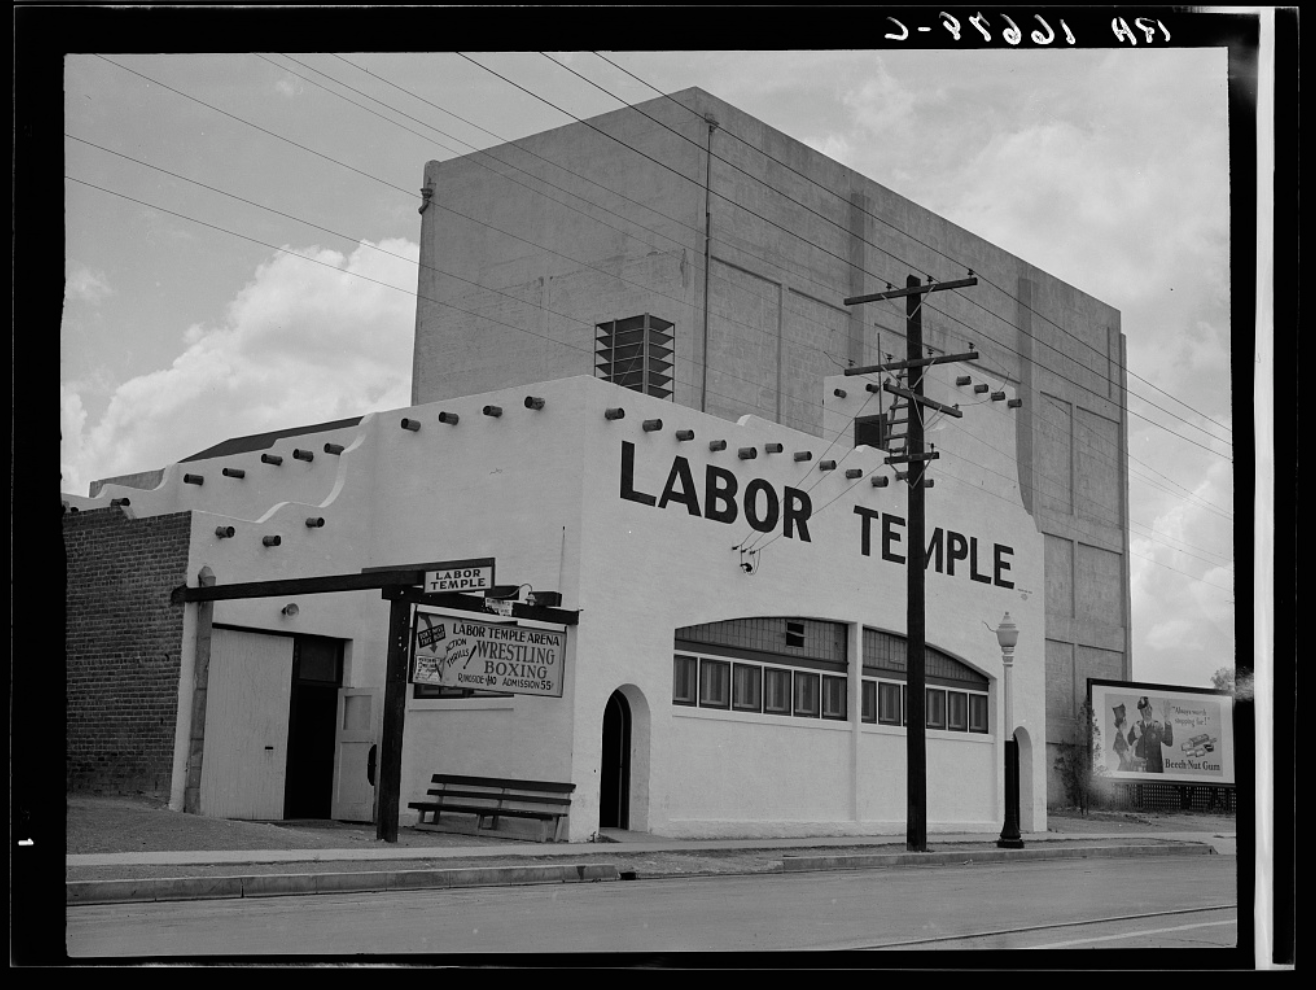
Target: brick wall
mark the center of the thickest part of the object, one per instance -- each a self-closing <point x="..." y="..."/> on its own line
<point x="122" y="646"/>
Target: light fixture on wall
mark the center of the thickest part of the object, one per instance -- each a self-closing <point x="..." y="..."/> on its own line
<point x="290" y="610"/>
<point x="749" y="561"/>
<point x="506" y="592"/>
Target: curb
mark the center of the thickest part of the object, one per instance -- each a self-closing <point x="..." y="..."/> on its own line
<point x="870" y="861"/>
<point x="86" y="892"/>
<point x="274" y="885"/>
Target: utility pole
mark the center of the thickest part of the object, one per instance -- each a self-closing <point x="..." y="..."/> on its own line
<point x="916" y="821"/>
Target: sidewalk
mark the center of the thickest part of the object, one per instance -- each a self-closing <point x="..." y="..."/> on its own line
<point x="443" y="860"/>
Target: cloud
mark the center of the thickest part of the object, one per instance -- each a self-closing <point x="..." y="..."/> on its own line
<point x="881" y="105"/>
<point x="834" y="146"/>
<point x="300" y="343"/>
<point x="1125" y="205"/>
<point x="84" y="284"/>
<point x="289" y="86"/>
<point x="1182" y="579"/>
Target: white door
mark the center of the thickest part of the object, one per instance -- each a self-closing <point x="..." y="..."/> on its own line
<point x="356" y="771"/>
<point x="245" y="761"/>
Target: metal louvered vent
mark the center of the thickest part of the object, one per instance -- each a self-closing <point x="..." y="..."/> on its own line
<point x="636" y="353"/>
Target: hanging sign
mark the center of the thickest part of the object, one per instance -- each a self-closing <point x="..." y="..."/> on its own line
<point x="487" y="656"/>
<point x="461" y="576"/>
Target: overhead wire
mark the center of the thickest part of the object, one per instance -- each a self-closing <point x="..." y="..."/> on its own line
<point x="728" y="318"/>
<point x="1061" y="487"/>
<point x="1108" y="455"/>
<point x="485" y="288"/>
<point x="978" y="489"/>
<point x="283" y="250"/>
<point x="508" y="233"/>
<point x="757" y="545"/>
<point x="607" y="189"/>
<point x="418" y="295"/>
<point x="865" y="240"/>
<point x="902" y="232"/>
<point x="500" y="230"/>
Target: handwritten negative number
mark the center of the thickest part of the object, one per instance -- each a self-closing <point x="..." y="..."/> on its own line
<point x="1011" y="34"/>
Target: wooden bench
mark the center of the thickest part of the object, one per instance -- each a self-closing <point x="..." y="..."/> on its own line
<point x="495" y="798"/>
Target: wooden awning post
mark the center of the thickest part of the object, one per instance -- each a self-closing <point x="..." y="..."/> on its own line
<point x="395" y="714"/>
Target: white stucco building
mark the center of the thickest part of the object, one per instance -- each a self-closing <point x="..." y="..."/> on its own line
<point x="706" y="690"/>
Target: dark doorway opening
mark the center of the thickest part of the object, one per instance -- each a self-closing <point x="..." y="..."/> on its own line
<point x="317" y="673"/>
<point x="614" y="795"/>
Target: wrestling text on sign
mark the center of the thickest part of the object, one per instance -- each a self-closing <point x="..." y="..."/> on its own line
<point x="486" y="656"/>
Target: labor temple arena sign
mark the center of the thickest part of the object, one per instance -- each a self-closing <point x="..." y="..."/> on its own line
<point x="487" y="656"/>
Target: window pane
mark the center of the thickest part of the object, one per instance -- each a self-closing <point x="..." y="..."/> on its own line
<point x="746" y="688"/>
<point x="795" y="634"/>
<point x="316" y="659"/>
<point x="936" y="708"/>
<point x="834" y="698"/>
<point x="869" y="702"/>
<point x="888" y="707"/>
<point x="957" y="708"/>
<point x="683" y="681"/>
<point x="806" y="694"/>
<point x="776" y="691"/>
<point x="870" y="430"/>
<point x="714" y="684"/>
<point x="977" y="713"/>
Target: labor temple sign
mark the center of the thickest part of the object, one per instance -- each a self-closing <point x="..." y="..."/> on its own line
<point x="764" y="510"/>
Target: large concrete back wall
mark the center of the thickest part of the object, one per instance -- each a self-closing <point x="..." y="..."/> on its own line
<point x="122" y="645"/>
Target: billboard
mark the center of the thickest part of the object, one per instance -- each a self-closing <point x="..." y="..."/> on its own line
<point x="1148" y="733"/>
<point x="486" y="656"/>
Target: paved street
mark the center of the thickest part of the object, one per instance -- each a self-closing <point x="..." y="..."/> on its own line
<point x="1168" y="901"/>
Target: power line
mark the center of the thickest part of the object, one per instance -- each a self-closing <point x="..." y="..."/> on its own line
<point x="839" y="226"/>
<point x="485" y="288"/>
<point x="901" y="231"/>
<point x="1114" y="519"/>
<point x="403" y="258"/>
<point x="1060" y="486"/>
<point x="575" y="174"/>
<point x="970" y="300"/>
<point x="1046" y="427"/>
<point x="576" y="261"/>
<point x="500" y="230"/>
<point x="156" y="82"/>
<point x="341" y="271"/>
<point x="474" y="151"/>
<point x="415" y="294"/>
<point x="980" y="490"/>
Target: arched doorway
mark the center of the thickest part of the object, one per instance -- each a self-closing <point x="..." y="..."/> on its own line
<point x="615" y="771"/>
<point x="1027" y="809"/>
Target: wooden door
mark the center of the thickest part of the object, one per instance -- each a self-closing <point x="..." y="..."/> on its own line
<point x="355" y="771"/>
<point x="244" y="766"/>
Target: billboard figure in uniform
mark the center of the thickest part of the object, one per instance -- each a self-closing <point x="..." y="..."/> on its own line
<point x="1121" y="745"/>
<point x="1148" y="736"/>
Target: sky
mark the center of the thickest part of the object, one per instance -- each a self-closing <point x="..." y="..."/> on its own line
<point x="191" y="316"/>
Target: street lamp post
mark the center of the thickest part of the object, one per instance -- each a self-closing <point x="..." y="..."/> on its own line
<point x="1007" y="635"/>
